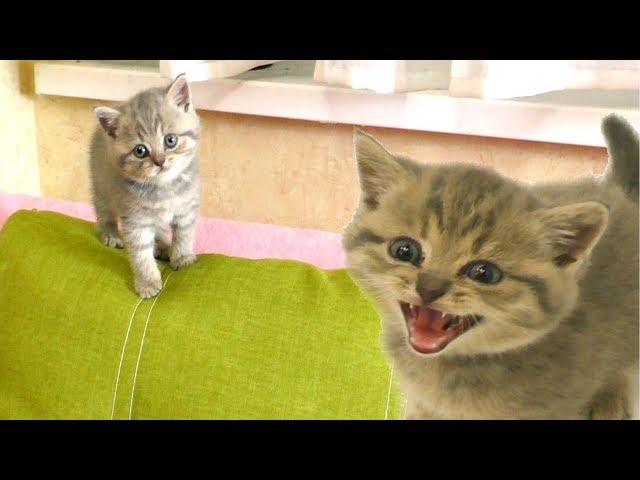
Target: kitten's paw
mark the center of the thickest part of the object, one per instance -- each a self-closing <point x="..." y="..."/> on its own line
<point x="182" y="261"/>
<point x="614" y="409"/>
<point x="611" y="402"/>
<point x="161" y="252"/>
<point x="111" y="240"/>
<point x="148" y="288"/>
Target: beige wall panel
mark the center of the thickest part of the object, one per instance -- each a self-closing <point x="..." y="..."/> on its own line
<point x="291" y="172"/>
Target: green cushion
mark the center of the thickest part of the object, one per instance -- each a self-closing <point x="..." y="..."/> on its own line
<point x="227" y="338"/>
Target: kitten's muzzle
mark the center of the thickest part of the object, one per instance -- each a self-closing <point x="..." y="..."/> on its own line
<point x="159" y="161"/>
<point x="431" y="330"/>
<point x="431" y="287"/>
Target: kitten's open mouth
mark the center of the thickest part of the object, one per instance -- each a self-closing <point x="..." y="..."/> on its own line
<point x="430" y="330"/>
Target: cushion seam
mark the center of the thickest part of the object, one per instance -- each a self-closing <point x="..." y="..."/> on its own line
<point x="144" y="333"/>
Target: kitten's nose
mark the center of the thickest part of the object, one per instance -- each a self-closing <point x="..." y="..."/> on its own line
<point x="159" y="161"/>
<point x="431" y="287"/>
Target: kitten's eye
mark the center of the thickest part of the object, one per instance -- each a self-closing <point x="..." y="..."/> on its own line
<point x="140" y="151"/>
<point x="483" y="272"/>
<point x="406" y="250"/>
<point x="170" y="140"/>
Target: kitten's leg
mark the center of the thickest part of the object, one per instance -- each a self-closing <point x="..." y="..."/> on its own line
<point x="184" y="230"/>
<point x="611" y="402"/>
<point x="109" y="234"/>
<point x="140" y="243"/>
<point x="162" y="250"/>
<point x="107" y="224"/>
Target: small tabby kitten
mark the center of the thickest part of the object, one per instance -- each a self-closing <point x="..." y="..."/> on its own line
<point x="145" y="179"/>
<point x="503" y="300"/>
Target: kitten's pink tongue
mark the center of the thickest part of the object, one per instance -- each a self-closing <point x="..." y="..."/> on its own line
<point x="427" y="333"/>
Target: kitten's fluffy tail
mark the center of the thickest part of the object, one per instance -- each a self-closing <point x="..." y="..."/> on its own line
<point x="624" y="153"/>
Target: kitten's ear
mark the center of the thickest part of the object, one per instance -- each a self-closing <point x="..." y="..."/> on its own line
<point x="574" y="230"/>
<point x="179" y="93"/>
<point x="108" y="118"/>
<point x="377" y="168"/>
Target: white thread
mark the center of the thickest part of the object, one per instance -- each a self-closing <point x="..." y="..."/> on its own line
<point x="144" y="333"/>
<point x="386" y="411"/>
<point x="124" y="346"/>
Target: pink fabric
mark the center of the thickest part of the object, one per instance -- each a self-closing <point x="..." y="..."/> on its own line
<point x="227" y="237"/>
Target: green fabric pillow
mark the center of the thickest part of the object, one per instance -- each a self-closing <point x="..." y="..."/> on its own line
<point x="227" y="338"/>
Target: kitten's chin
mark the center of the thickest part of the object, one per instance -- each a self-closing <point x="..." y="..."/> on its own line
<point x="165" y="174"/>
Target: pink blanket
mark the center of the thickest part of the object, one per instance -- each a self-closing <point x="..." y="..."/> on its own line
<point x="227" y="237"/>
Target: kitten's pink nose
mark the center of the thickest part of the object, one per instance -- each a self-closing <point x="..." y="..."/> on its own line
<point x="159" y="161"/>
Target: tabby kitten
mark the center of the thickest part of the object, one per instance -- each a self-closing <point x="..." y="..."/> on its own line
<point x="145" y="179"/>
<point x="502" y="300"/>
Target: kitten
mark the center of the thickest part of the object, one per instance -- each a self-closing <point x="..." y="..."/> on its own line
<point x="502" y="300"/>
<point x="144" y="176"/>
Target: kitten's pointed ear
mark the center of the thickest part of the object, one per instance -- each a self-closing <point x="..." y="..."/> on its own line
<point x="377" y="168"/>
<point x="573" y="230"/>
<point x="179" y="92"/>
<point x="108" y="118"/>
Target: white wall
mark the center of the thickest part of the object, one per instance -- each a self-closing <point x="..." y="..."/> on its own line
<point x="19" y="172"/>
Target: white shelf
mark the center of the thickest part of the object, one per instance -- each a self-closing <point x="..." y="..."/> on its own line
<point x="287" y="90"/>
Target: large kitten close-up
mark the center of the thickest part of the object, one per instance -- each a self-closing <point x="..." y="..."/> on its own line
<point x="502" y="299"/>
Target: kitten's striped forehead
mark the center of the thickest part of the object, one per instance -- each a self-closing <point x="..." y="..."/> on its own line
<point x="463" y="207"/>
<point x="147" y="116"/>
<point x="465" y="200"/>
<point x="146" y="111"/>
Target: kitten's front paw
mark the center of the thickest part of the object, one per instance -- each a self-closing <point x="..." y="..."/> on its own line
<point x="614" y="409"/>
<point x="182" y="261"/>
<point x="111" y="240"/>
<point x="161" y="252"/>
<point x="611" y="402"/>
<point x="148" y="288"/>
